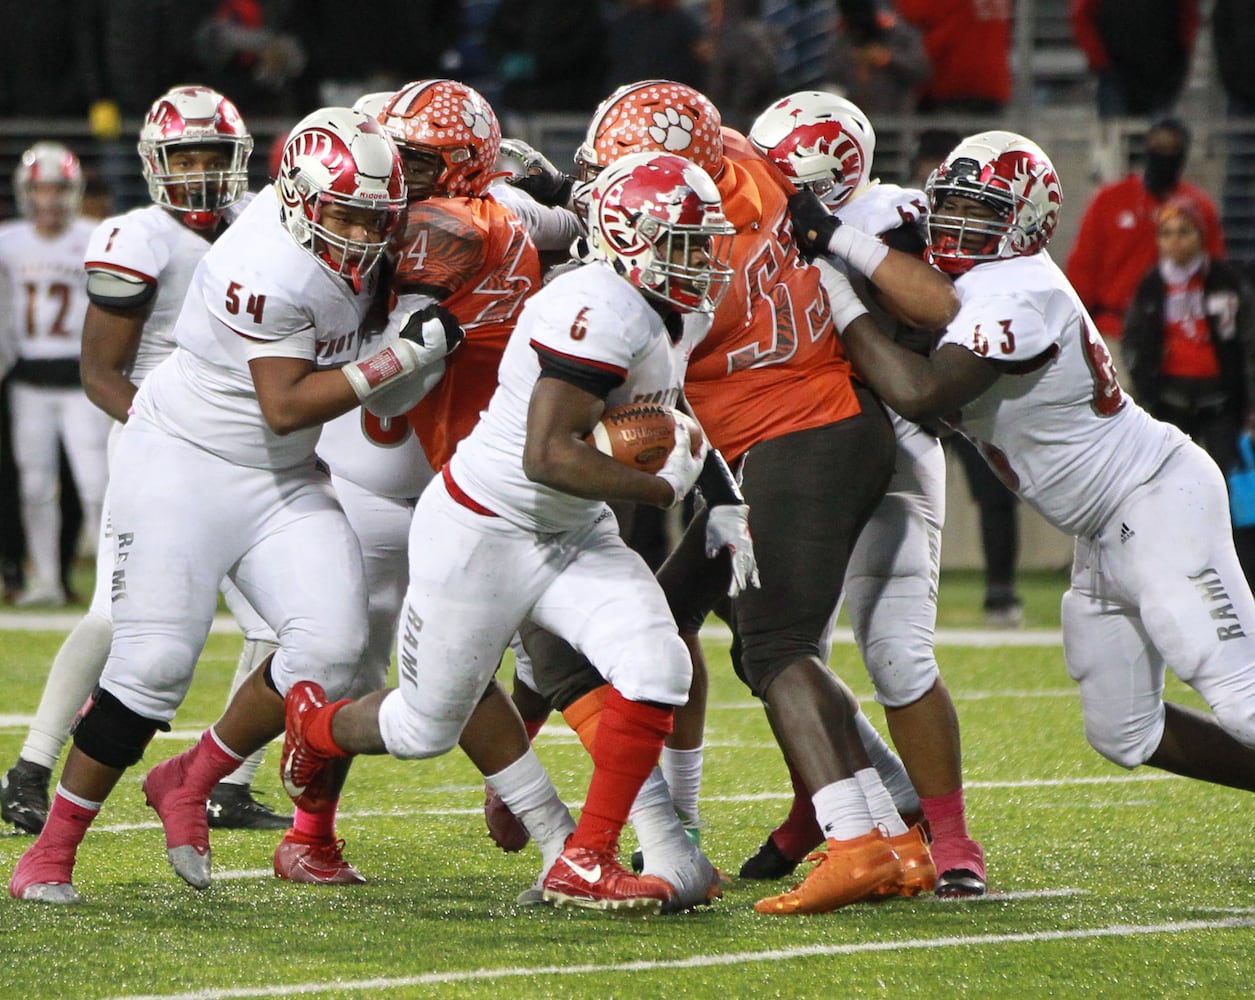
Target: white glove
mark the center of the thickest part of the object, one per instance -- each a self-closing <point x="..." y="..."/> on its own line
<point x="682" y="466"/>
<point x="728" y="528"/>
<point x="846" y="305"/>
<point x="419" y="335"/>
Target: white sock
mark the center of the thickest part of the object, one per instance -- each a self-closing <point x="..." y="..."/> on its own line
<point x="74" y="673"/>
<point x="841" y="809"/>
<point x="254" y="651"/>
<point x="879" y="802"/>
<point x="888" y="765"/>
<point x="78" y="800"/>
<point x="658" y="828"/>
<point x="525" y="788"/>
<point x="682" y="770"/>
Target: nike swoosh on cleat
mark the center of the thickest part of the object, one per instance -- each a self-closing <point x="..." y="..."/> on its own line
<point x="290" y="786"/>
<point x="315" y="872"/>
<point x="590" y="875"/>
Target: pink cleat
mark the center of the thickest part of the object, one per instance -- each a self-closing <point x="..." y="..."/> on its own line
<point x="183" y="817"/>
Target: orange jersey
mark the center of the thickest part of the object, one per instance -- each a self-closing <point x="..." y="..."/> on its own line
<point x="477" y="259"/>
<point x="772" y="362"/>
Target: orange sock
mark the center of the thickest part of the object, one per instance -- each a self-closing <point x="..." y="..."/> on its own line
<point x="582" y="714"/>
<point x="629" y="738"/>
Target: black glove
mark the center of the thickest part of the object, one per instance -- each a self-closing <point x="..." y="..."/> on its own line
<point x="538" y="177"/>
<point x="435" y="328"/>
<point x="813" y="224"/>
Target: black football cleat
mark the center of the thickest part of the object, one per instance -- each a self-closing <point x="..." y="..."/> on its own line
<point x="768" y="862"/>
<point x="959" y="883"/>
<point x="232" y="807"/>
<point x="24" y="796"/>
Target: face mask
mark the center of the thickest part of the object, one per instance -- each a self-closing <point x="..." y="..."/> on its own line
<point x="1163" y="171"/>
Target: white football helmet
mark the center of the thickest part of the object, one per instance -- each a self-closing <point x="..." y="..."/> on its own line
<point x="820" y="141"/>
<point x="658" y="220"/>
<point x="194" y="116"/>
<point x="342" y="157"/>
<point x="1010" y="175"/>
<point x="49" y="163"/>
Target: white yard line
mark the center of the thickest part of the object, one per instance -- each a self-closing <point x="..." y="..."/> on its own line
<point x="782" y="796"/>
<point x="707" y="961"/>
<point x="63" y="621"/>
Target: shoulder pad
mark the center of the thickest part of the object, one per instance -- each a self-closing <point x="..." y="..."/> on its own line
<point x="115" y="291"/>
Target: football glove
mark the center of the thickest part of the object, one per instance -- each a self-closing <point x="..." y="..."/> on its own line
<point x="535" y="175"/>
<point x="728" y="528"/>
<point x="682" y="466"/>
<point x="813" y="224"/>
<point x="434" y="330"/>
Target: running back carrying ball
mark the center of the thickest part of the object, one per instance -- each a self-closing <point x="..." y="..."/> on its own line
<point x="640" y="435"/>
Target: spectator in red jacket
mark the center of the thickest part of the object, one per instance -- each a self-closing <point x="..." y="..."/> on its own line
<point x="1139" y="50"/>
<point x="968" y="43"/>
<point x="1116" y="246"/>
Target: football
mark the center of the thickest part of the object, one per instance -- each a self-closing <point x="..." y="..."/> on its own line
<point x="639" y="435"/>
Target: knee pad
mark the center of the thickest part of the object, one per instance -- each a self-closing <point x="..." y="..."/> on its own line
<point x="411" y="736"/>
<point x="659" y="670"/>
<point x="1128" y="746"/>
<point x="110" y="733"/>
<point x="333" y="661"/>
<point x="902" y="676"/>
<point x="1238" y="721"/>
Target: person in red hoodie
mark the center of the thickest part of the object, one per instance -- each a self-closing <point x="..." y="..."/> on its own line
<point x="1116" y="246"/>
<point x="968" y="43"/>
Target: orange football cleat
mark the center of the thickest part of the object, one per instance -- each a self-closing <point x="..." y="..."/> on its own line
<point x="916" y="870"/>
<point x="850" y="870"/>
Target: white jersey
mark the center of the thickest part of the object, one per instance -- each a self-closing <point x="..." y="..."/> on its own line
<point x="380" y="454"/>
<point x="151" y="245"/>
<point x="591" y="318"/>
<point x="256" y="293"/>
<point x="45" y="290"/>
<point x="1056" y="426"/>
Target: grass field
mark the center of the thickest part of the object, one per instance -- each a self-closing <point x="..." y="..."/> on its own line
<point x="1106" y="883"/>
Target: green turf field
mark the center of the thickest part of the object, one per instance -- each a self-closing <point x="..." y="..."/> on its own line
<point x="1106" y="883"/>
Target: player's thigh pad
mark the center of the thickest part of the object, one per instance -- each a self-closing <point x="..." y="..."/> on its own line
<point x="304" y="576"/>
<point x="1184" y="577"/>
<point x="607" y="604"/>
<point x="1119" y="671"/>
<point x="472" y="580"/>
<point x="809" y="492"/>
<point x="891" y="598"/>
<point x="181" y="517"/>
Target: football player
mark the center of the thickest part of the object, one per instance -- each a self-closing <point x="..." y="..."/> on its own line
<point x="474" y="245"/>
<point x="771" y="332"/>
<point x="516" y="526"/>
<point x="41" y="269"/>
<point x="277" y="337"/>
<point x="825" y="145"/>
<point x="194" y="148"/>
<point x="1155" y="583"/>
<point x="461" y="249"/>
